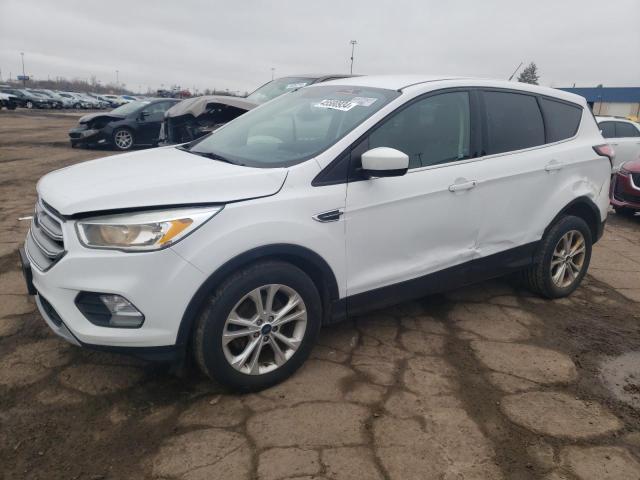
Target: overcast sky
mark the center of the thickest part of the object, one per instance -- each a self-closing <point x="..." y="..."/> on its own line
<point x="234" y="44"/>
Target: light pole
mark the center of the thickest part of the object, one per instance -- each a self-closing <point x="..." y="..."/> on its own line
<point x="118" y="79"/>
<point x="353" y="46"/>
<point x="24" y="78"/>
<point x="272" y="72"/>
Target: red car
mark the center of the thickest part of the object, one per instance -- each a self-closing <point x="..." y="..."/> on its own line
<point x="625" y="190"/>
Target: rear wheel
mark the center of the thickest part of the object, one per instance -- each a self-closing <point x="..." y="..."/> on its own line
<point x="123" y="139"/>
<point x="258" y="327"/>
<point x="562" y="260"/>
<point x="29" y="104"/>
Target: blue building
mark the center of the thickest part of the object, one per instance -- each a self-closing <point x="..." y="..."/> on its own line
<point x="614" y="101"/>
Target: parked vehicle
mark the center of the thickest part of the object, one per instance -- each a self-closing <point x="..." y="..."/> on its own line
<point x="76" y="101"/>
<point x="49" y="98"/>
<point x="114" y="100"/>
<point x="194" y="117"/>
<point x="63" y="101"/>
<point x="329" y="201"/>
<point x="624" y="137"/>
<point x="102" y="100"/>
<point x="133" y="124"/>
<point x="27" y="99"/>
<point x="8" y="101"/>
<point x="625" y="191"/>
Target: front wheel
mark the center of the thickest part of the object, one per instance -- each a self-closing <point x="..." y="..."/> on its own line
<point x="562" y="259"/>
<point x="258" y="327"/>
<point x="29" y="104"/>
<point x="123" y="139"/>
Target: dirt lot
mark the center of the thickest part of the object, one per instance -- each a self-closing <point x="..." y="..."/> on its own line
<point x="485" y="382"/>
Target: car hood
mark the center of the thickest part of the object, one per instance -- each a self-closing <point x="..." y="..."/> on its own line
<point x="157" y="177"/>
<point x="93" y="116"/>
<point x="196" y="106"/>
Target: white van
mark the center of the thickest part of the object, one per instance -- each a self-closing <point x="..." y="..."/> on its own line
<point x="328" y="201"/>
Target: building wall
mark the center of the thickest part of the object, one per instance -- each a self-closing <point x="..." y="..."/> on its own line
<point x="629" y="110"/>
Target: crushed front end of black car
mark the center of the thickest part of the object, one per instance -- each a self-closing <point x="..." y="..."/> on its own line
<point x="93" y="129"/>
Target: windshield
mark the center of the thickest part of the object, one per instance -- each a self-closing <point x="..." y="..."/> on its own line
<point x="294" y="127"/>
<point x="128" y="108"/>
<point x="275" y="88"/>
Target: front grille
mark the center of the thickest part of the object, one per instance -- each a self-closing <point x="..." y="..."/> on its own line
<point x="45" y="242"/>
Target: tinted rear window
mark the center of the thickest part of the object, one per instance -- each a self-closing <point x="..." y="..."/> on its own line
<point x="514" y="122"/>
<point x="626" y="130"/>
<point x="561" y="119"/>
<point x="608" y="129"/>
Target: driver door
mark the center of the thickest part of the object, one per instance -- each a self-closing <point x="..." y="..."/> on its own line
<point x="149" y="121"/>
<point x="399" y="230"/>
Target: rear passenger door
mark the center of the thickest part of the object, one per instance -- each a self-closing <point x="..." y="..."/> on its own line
<point x="523" y="167"/>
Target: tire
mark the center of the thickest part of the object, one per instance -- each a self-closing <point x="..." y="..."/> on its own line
<point x="11" y="106"/>
<point x="123" y="139"/>
<point x="77" y="106"/>
<point x="29" y="104"/>
<point x="232" y="296"/>
<point x="539" y="276"/>
<point x="625" y="212"/>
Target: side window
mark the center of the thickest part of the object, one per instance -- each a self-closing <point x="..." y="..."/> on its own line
<point x="514" y="122"/>
<point x="608" y="129"/>
<point x="561" y="119"/>
<point x="156" y="108"/>
<point x="431" y="131"/>
<point x="624" y="129"/>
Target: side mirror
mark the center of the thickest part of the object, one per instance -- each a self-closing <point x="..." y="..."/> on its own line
<point x="384" y="162"/>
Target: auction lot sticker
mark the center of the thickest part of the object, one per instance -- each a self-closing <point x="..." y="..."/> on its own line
<point x="342" y="105"/>
<point x="346" y="105"/>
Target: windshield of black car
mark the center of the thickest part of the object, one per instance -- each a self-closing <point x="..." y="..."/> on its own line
<point x="294" y="127"/>
<point x="275" y="88"/>
<point x="128" y="108"/>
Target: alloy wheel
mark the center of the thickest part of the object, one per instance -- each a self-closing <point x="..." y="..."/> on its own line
<point x="123" y="139"/>
<point x="568" y="259"/>
<point x="264" y="329"/>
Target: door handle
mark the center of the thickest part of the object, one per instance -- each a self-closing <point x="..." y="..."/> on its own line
<point x="614" y="144"/>
<point x="458" y="187"/>
<point x="553" y="166"/>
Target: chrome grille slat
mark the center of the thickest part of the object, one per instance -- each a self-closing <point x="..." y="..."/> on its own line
<point x="45" y="241"/>
<point x="49" y="224"/>
<point x="48" y="247"/>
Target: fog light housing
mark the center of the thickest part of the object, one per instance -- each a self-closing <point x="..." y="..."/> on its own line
<point x="109" y="310"/>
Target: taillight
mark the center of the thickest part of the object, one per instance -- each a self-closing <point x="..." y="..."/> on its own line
<point x="605" y="150"/>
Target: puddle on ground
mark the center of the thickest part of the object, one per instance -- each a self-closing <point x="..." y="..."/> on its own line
<point x="621" y="376"/>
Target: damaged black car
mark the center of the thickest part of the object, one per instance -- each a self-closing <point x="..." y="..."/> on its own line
<point x="198" y="116"/>
<point x="130" y="125"/>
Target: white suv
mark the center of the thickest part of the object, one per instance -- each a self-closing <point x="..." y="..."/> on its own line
<point x="624" y="137"/>
<point x="325" y="202"/>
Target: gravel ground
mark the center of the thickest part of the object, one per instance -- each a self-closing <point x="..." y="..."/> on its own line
<point x="485" y="382"/>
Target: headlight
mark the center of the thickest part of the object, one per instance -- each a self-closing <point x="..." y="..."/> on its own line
<point x="144" y="231"/>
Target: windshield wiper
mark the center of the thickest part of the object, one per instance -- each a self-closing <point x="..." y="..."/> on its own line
<point x="211" y="155"/>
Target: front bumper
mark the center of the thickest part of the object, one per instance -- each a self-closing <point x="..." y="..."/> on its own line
<point x="624" y="191"/>
<point x="82" y="135"/>
<point x="160" y="284"/>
